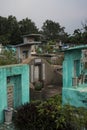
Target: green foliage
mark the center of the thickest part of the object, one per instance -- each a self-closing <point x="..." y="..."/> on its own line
<point x="3" y="24"/>
<point x="53" y="31"/>
<point x="27" y="26"/>
<point x="5" y="39"/>
<point x="49" y="47"/>
<point x="11" y="30"/>
<point x="50" y="115"/>
<point x="27" y="117"/>
<point x="8" y="57"/>
<point x="79" y="36"/>
<point x="39" y="50"/>
<point x="37" y="115"/>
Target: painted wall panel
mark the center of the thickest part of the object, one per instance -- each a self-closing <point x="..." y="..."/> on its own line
<point x="19" y="78"/>
<point x="74" y="91"/>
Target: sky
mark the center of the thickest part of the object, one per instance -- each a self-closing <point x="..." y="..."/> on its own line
<point x="68" y="13"/>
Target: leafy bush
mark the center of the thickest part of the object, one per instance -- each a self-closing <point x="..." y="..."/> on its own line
<point x="26" y="117"/>
<point x="50" y="115"/>
<point x="47" y="113"/>
<point x="8" y="57"/>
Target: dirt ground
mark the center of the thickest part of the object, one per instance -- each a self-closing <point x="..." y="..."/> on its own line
<point x="45" y="93"/>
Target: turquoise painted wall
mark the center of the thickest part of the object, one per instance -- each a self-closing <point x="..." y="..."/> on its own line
<point x="68" y="66"/>
<point x="19" y="77"/>
<point x="75" y="95"/>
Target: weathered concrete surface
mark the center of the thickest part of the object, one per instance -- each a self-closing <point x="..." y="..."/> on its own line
<point x="49" y="74"/>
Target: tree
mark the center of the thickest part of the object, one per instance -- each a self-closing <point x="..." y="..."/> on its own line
<point x="9" y="30"/>
<point x="13" y="30"/>
<point x="4" y="39"/>
<point x="8" y="57"/>
<point x="4" y="35"/>
<point x="76" y="37"/>
<point x="27" y="26"/>
<point x="84" y="35"/>
<point x="11" y="23"/>
<point x="3" y="25"/>
<point x="79" y="36"/>
<point x="53" y="31"/>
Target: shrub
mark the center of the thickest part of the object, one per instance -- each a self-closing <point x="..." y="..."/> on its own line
<point x="8" y="57"/>
<point x="26" y="117"/>
<point x="50" y="115"/>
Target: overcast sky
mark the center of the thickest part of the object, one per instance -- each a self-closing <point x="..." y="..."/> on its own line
<point x="68" y="13"/>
